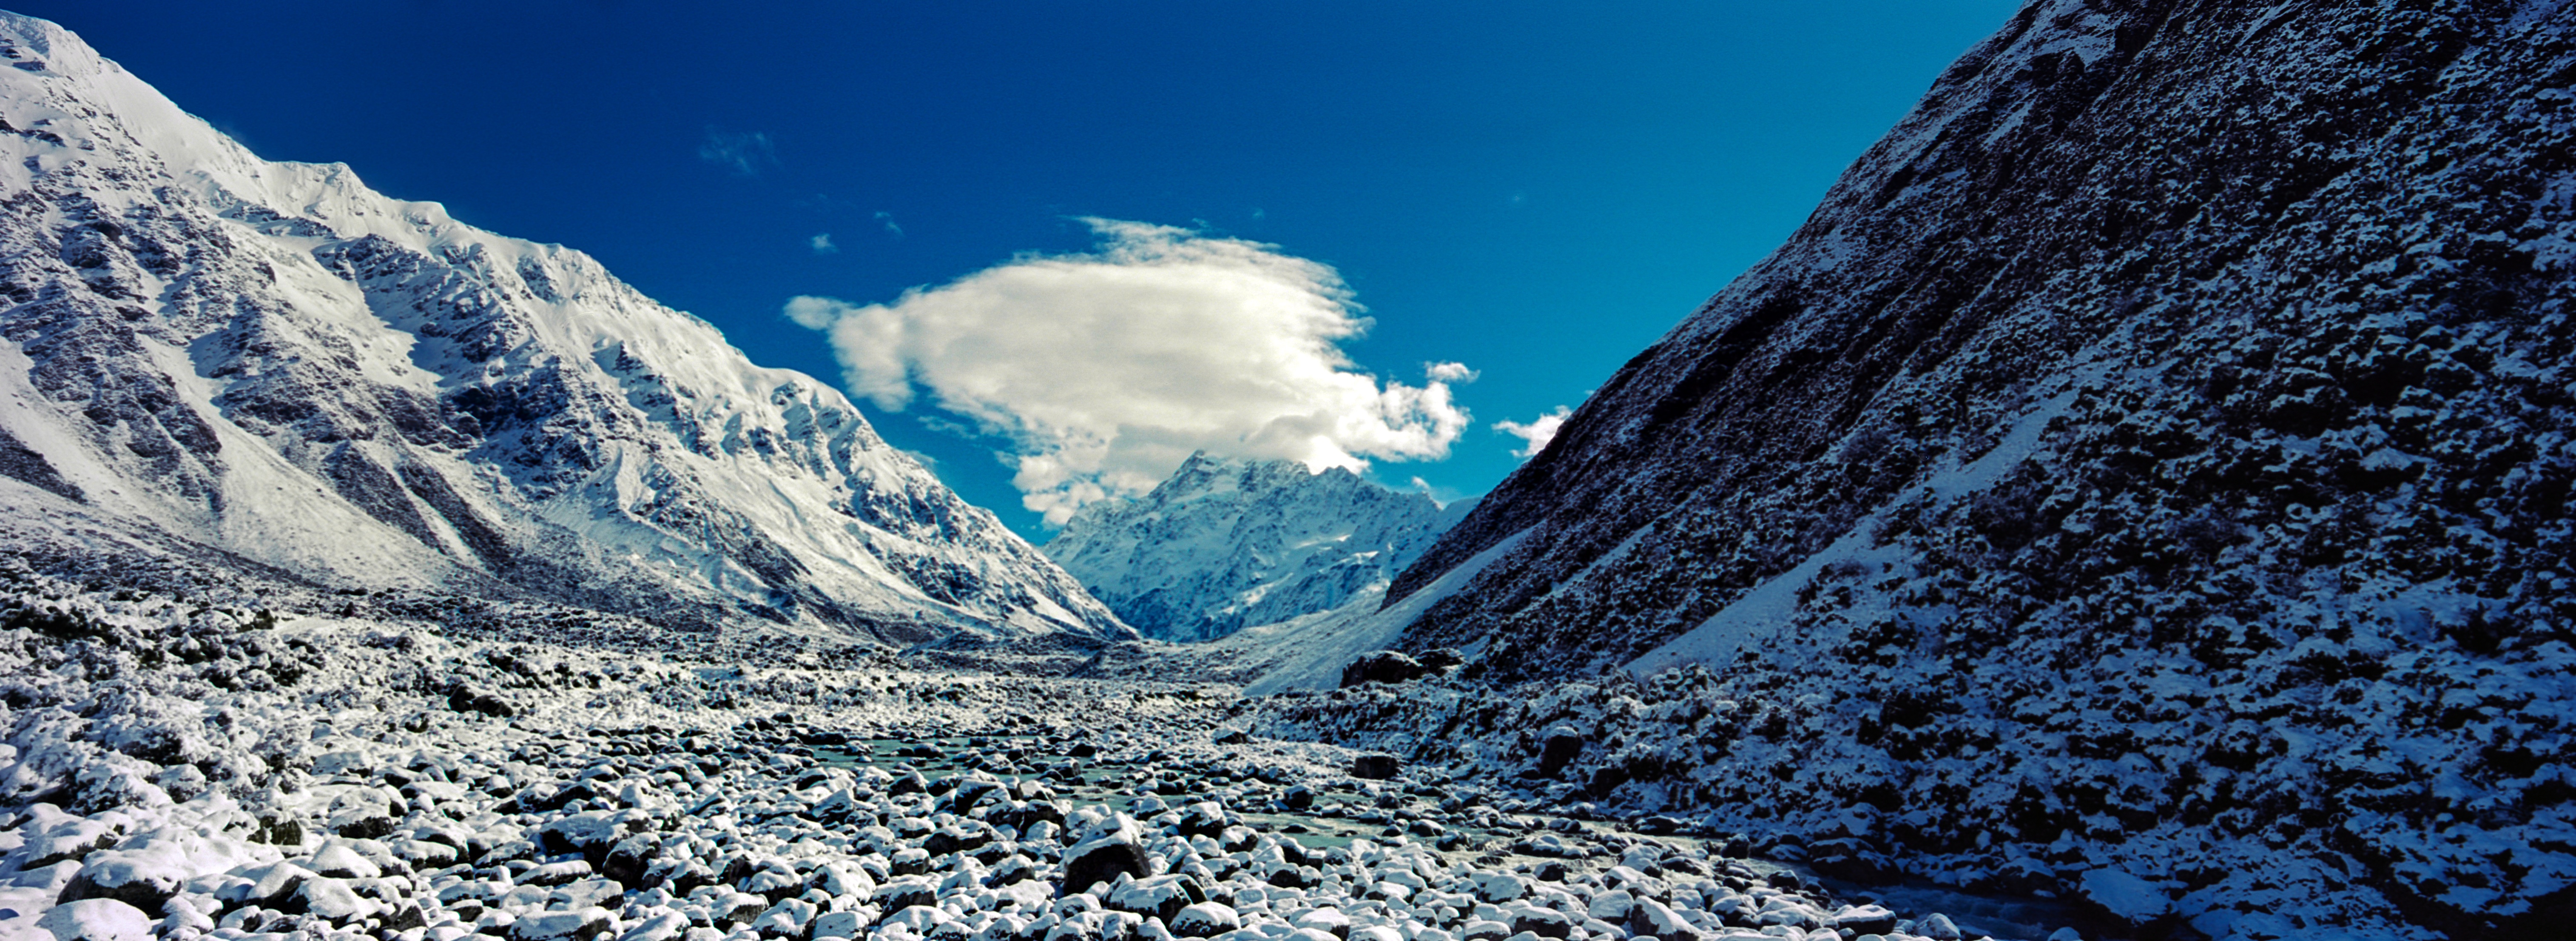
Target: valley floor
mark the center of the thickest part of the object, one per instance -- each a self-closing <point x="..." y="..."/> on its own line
<point x="193" y="765"/>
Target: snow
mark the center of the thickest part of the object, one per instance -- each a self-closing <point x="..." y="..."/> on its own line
<point x="391" y="398"/>
<point x="1224" y="544"/>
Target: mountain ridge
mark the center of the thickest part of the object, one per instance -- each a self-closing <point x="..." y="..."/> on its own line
<point x="1224" y="544"/>
<point x="272" y="359"/>
<point x="2146" y="469"/>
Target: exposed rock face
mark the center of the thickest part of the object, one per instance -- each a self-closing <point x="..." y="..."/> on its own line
<point x="272" y="360"/>
<point x="2152" y="460"/>
<point x="1223" y="545"/>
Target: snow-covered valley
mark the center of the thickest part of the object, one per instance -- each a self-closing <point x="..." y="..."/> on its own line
<point x="2173" y="546"/>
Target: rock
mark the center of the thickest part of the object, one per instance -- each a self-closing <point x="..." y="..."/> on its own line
<point x="1384" y="666"/>
<point x="331" y="899"/>
<point x="577" y="925"/>
<point x="584" y="894"/>
<point x="1544" y="922"/>
<point x="1612" y="906"/>
<point x="1329" y="920"/>
<point x="1558" y="749"/>
<point x="834" y="925"/>
<point x="1299" y="797"/>
<point x="1157" y="896"/>
<point x="1101" y="860"/>
<point x="662" y="927"/>
<point x="1865" y="919"/>
<point x="559" y="872"/>
<point x="144" y="877"/>
<point x="904" y="892"/>
<point x="1374" y="767"/>
<point x="71" y="839"/>
<point x="338" y="860"/>
<point x="1484" y="930"/>
<point x="271" y="885"/>
<point x="1652" y="917"/>
<point x="1499" y="887"/>
<point x="96" y="920"/>
<point x="786" y="919"/>
<point x="1937" y="927"/>
<point x="1204" y="920"/>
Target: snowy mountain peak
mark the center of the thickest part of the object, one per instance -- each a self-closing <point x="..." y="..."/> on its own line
<point x="1224" y="544"/>
<point x="272" y="361"/>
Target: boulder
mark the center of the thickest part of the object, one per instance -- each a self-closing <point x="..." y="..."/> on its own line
<point x="576" y="925"/>
<point x="1204" y="920"/>
<point x="1384" y="666"/>
<point x="1101" y="860"/>
<point x="96" y="920"/>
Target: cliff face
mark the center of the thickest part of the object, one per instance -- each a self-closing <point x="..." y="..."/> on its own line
<point x="274" y="363"/>
<point x="2158" y="446"/>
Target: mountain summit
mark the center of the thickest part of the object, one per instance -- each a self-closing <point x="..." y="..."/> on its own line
<point x="1227" y="544"/>
<point x="270" y="363"/>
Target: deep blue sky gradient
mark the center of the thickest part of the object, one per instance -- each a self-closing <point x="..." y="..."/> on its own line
<point x="1538" y="190"/>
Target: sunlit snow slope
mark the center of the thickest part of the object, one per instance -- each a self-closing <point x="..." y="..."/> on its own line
<point x="273" y="360"/>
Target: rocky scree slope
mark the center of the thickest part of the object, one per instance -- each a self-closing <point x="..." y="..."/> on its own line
<point x="2152" y="460"/>
<point x="1226" y="544"/>
<point x="272" y="361"/>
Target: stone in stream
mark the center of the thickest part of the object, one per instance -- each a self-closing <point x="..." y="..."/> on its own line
<point x="1375" y="767"/>
<point x="1299" y="797"/>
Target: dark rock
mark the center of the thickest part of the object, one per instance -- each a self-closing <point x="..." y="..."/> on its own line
<point x="1384" y="666"/>
<point x="1101" y="861"/>
<point x="1375" y="767"/>
<point x="1546" y="923"/>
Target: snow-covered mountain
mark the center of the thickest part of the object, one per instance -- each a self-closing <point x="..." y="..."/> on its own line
<point x="2146" y="476"/>
<point x="273" y="361"/>
<point x="1226" y="544"/>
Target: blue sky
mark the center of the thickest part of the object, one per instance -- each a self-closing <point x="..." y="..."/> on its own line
<point x="1536" y="191"/>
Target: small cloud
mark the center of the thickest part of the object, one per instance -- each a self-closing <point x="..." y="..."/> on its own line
<point x="1258" y="214"/>
<point x="1105" y="369"/>
<point x="890" y="226"/>
<point x="823" y="244"/>
<point x="1518" y="198"/>
<point x="1538" y="432"/>
<point x="746" y="153"/>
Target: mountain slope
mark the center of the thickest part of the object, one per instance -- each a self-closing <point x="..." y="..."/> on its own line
<point x="272" y="360"/>
<point x="1225" y="544"/>
<point x="2148" y="469"/>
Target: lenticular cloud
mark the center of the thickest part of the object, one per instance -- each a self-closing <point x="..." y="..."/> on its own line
<point x="1107" y="368"/>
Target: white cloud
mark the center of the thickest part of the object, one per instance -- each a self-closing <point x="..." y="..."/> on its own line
<point x="1107" y="368"/>
<point x="1538" y="432"/>
<point x="745" y="152"/>
<point x="890" y="226"/>
<point x="823" y="244"/>
<point x="1449" y="372"/>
